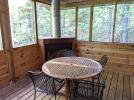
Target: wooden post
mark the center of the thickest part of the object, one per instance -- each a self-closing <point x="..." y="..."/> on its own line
<point x="6" y="34"/>
<point x="56" y="18"/>
<point x="51" y="29"/>
<point x="76" y="21"/>
<point x="91" y="19"/>
<point x="115" y="12"/>
<point x="35" y="20"/>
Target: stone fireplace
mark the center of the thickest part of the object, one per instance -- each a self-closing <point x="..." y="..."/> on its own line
<point x="50" y="47"/>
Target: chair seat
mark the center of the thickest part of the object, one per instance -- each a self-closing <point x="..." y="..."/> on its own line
<point x="48" y="86"/>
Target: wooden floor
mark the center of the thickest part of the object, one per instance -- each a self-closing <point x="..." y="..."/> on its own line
<point x="119" y="86"/>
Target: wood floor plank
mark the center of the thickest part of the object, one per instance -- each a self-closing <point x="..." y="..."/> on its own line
<point x="126" y="88"/>
<point x="119" y="86"/>
<point x="23" y="93"/>
<point x="104" y="75"/>
<point x="108" y="83"/>
<point x="62" y="98"/>
<point x="113" y="86"/>
<point x="132" y="87"/>
<point x="28" y="94"/>
<point x="57" y="97"/>
<point x="41" y="96"/>
<point x="13" y="85"/>
<point x="118" y="95"/>
<point x="14" y="88"/>
<point x="47" y="97"/>
<point x="20" y="91"/>
<point x="32" y="96"/>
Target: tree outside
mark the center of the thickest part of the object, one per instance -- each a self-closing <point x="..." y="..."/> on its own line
<point x="44" y="20"/>
<point x="83" y="24"/>
<point x="68" y="23"/>
<point x="125" y="23"/>
<point x="22" y="26"/>
<point x="21" y="17"/>
<point x="103" y="23"/>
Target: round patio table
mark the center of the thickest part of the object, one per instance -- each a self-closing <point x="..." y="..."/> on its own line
<point x="71" y="68"/>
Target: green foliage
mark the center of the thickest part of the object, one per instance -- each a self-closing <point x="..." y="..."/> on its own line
<point x="125" y="23"/>
<point x="21" y="18"/>
<point x="103" y="23"/>
<point x="68" y="23"/>
<point x="43" y="18"/>
<point x="83" y="24"/>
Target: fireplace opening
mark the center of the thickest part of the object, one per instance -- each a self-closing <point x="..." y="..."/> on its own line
<point x="51" y="50"/>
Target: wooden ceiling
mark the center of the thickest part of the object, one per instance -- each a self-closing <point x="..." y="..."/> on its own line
<point x="71" y="3"/>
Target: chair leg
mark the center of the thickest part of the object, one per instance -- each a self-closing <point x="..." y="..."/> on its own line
<point x="93" y="87"/>
<point x="98" y="79"/>
<point x="55" y="96"/>
<point x="34" y="94"/>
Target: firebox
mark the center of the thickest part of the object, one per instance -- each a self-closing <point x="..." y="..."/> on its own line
<point x="49" y="47"/>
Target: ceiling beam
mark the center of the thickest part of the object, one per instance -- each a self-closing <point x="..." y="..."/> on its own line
<point x="74" y="3"/>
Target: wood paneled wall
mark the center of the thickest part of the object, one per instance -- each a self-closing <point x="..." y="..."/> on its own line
<point x="4" y="73"/>
<point x="121" y="56"/>
<point x="25" y="58"/>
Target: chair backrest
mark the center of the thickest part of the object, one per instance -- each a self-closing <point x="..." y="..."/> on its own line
<point x="87" y="90"/>
<point x="42" y="81"/>
<point x="103" y="60"/>
<point x="66" y="53"/>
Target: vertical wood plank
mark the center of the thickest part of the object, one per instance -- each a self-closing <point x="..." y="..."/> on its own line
<point x="76" y="21"/>
<point x="91" y="19"/>
<point x="126" y="88"/>
<point x="104" y="75"/>
<point x="6" y="34"/>
<point x="112" y="90"/>
<point x="132" y="87"/>
<point x="118" y="95"/>
<point x="35" y="20"/>
<point x="51" y="27"/>
<point x="108" y="83"/>
<point x="114" y="23"/>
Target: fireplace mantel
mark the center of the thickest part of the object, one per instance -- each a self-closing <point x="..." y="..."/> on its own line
<point x="53" y="44"/>
<point x="57" y="40"/>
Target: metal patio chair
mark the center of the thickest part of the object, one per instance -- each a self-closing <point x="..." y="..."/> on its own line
<point x="86" y="90"/>
<point x="66" y="53"/>
<point x="44" y="83"/>
<point x="103" y="62"/>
